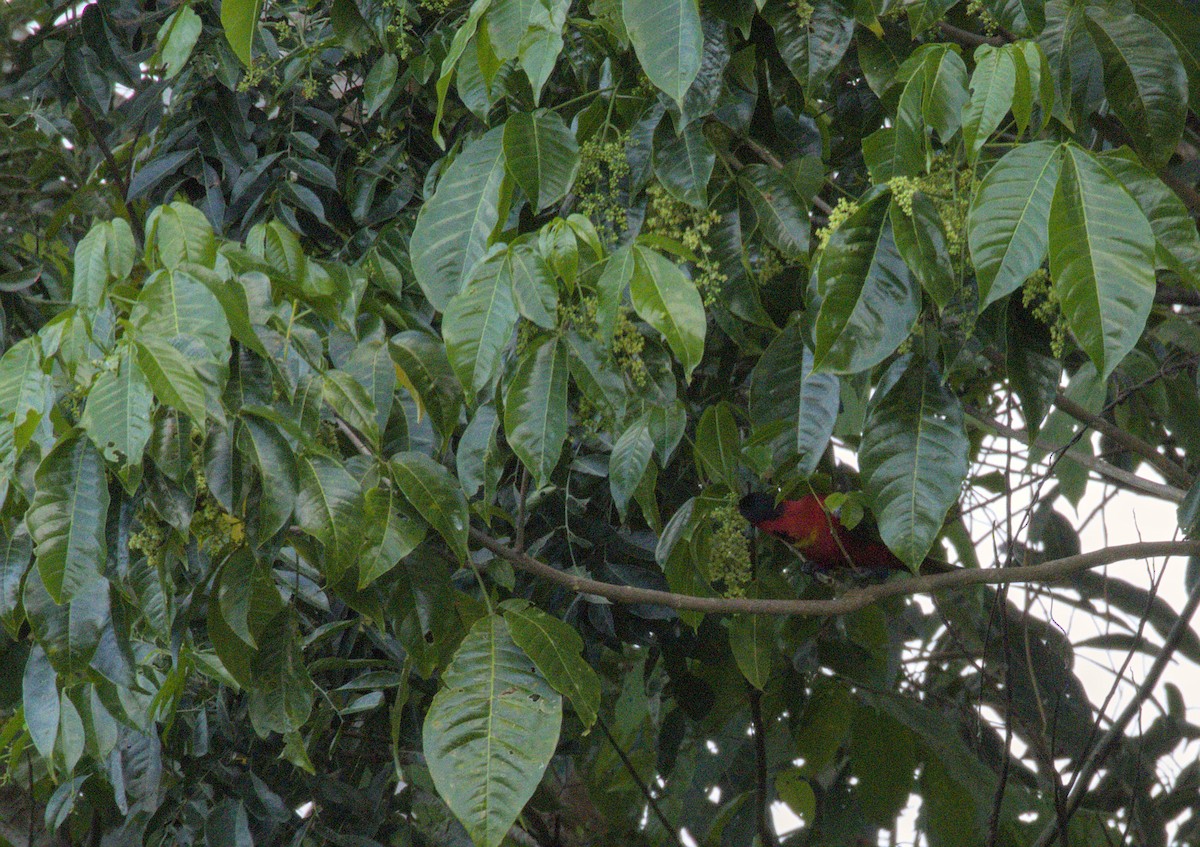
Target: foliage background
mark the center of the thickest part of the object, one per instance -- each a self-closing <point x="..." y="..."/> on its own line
<point x="343" y="342"/>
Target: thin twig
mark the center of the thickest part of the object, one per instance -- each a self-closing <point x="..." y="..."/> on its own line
<point x="766" y="833"/>
<point x="1116" y="732"/>
<point x="1116" y="475"/>
<point x="641" y="783"/>
<point x="852" y="600"/>
<point x="972" y="39"/>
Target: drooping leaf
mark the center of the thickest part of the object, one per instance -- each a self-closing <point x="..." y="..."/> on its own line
<point x="781" y="212"/>
<point x="490" y="731"/>
<point x="993" y="85"/>
<point x="1101" y="259"/>
<point x="628" y="462"/>
<point x="811" y="50"/>
<point x="1144" y="80"/>
<point x="684" y="163"/>
<point x="869" y="300"/>
<point x="436" y="495"/>
<point x="171" y="376"/>
<point x="555" y="648"/>
<point x="535" y="408"/>
<point x="913" y="457"/>
<point x="329" y="507"/>
<point x="67" y="517"/>
<point x="667" y="300"/>
<point x="117" y="415"/>
<point x="541" y="154"/>
<point x="479" y="323"/>
<point x="238" y="19"/>
<point x="718" y="444"/>
<point x="455" y="225"/>
<point x="1008" y="224"/>
<point x="668" y="40"/>
<point x="921" y="239"/>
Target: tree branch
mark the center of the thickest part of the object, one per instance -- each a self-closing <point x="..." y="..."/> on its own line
<point x="1172" y="472"/>
<point x="852" y="600"/>
<point x="1116" y="732"/>
<point x="971" y="39"/>
<point x="1116" y="475"/>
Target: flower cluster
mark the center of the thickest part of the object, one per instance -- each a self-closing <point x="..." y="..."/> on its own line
<point x="841" y="213"/>
<point x="729" y="550"/>
<point x="689" y="226"/>
<point x="602" y="179"/>
<point x="1039" y="298"/>
<point x="628" y="345"/>
<point x="804" y="11"/>
<point x="977" y="9"/>
<point x="949" y="188"/>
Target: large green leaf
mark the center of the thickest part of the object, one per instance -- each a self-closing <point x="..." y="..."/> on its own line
<point x="436" y="495"/>
<point x="1007" y="226"/>
<point x="1182" y="26"/>
<point x="463" y="35"/>
<point x="993" y="85"/>
<point x="782" y="213"/>
<point x="39" y="695"/>
<point x="394" y="534"/>
<point x="784" y="388"/>
<point x="718" y="444"/>
<point x="171" y="376"/>
<point x="117" y="415"/>
<point x="70" y="632"/>
<point x="490" y="731"/>
<point x="16" y="555"/>
<point x="423" y="367"/>
<point x="479" y="322"/>
<point x="684" y="163"/>
<point x="90" y="274"/>
<point x="811" y="50"/>
<point x="752" y="641"/>
<point x="281" y="697"/>
<point x="25" y="389"/>
<point x="535" y="287"/>
<point x="541" y="154"/>
<point x="351" y="402"/>
<point x="455" y="225"/>
<point x="535" y="408"/>
<point x="67" y="517"/>
<point x="945" y="91"/>
<point x="262" y="442"/>
<point x="667" y="300"/>
<point x="1173" y="225"/>
<point x="1101" y="259"/>
<point x="628" y="462"/>
<point x="1144" y="80"/>
<point x="921" y="240"/>
<point x="238" y="19"/>
<point x="668" y="40"/>
<point x="329" y="507"/>
<point x="173" y="304"/>
<point x="555" y="648"/>
<point x="914" y="457"/>
<point x="869" y="300"/>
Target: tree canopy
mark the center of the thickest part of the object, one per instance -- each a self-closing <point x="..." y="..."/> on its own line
<point x="380" y="378"/>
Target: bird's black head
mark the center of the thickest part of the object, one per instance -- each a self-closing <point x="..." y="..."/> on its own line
<point x="757" y="507"/>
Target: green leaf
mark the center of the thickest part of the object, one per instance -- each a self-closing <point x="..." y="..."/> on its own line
<point x="25" y="389"/>
<point x="436" y="495"/>
<point x="1173" y="226"/>
<point x="329" y="507"/>
<point x="813" y="50"/>
<point x="870" y="302"/>
<point x="479" y="323"/>
<point x="555" y="648"/>
<point x="794" y="790"/>
<point x="422" y="364"/>
<point x="921" y="240"/>
<point x="67" y="517"/>
<point x="176" y="38"/>
<point x="1101" y="259"/>
<point x="1182" y="26"/>
<point x="476" y="456"/>
<point x="914" y="457"/>
<point x="379" y="83"/>
<point x="610" y="290"/>
<point x="350" y="401"/>
<point x="877" y="738"/>
<point x="945" y="92"/>
<point x="117" y="415"/>
<point x="993" y="85"/>
<point x="784" y="388"/>
<point x="172" y="376"/>
<point x="490" y="732"/>
<point x="455" y="225"/>
<point x="39" y="696"/>
<point x="91" y="268"/>
<point x="684" y="163"/>
<point x="541" y="154"/>
<point x="16" y="555"/>
<point x="70" y="632"/>
<point x="667" y="300"/>
<point x="668" y="40"/>
<point x="1144" y="80"/>
<point x="628" y="462"/>
<point x="179" y="233"/>
<point x="262" y="442"/>
<point x="535" y="287"/>
<point x="398" y="534"/>
<point x="718" y="444"/>
<point x="752" y="641"/>
<point x="281" y="697"/>
<point x="1007" y="226"/>
<point x="782" y="213"/>
<point x="173" y="303"/>
<point x="535" y="408"/>
<point x="238" y="19"/>
<point x="462" y="36"/>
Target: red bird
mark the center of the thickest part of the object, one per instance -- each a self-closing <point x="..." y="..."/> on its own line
<point x="806" y="525"/>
